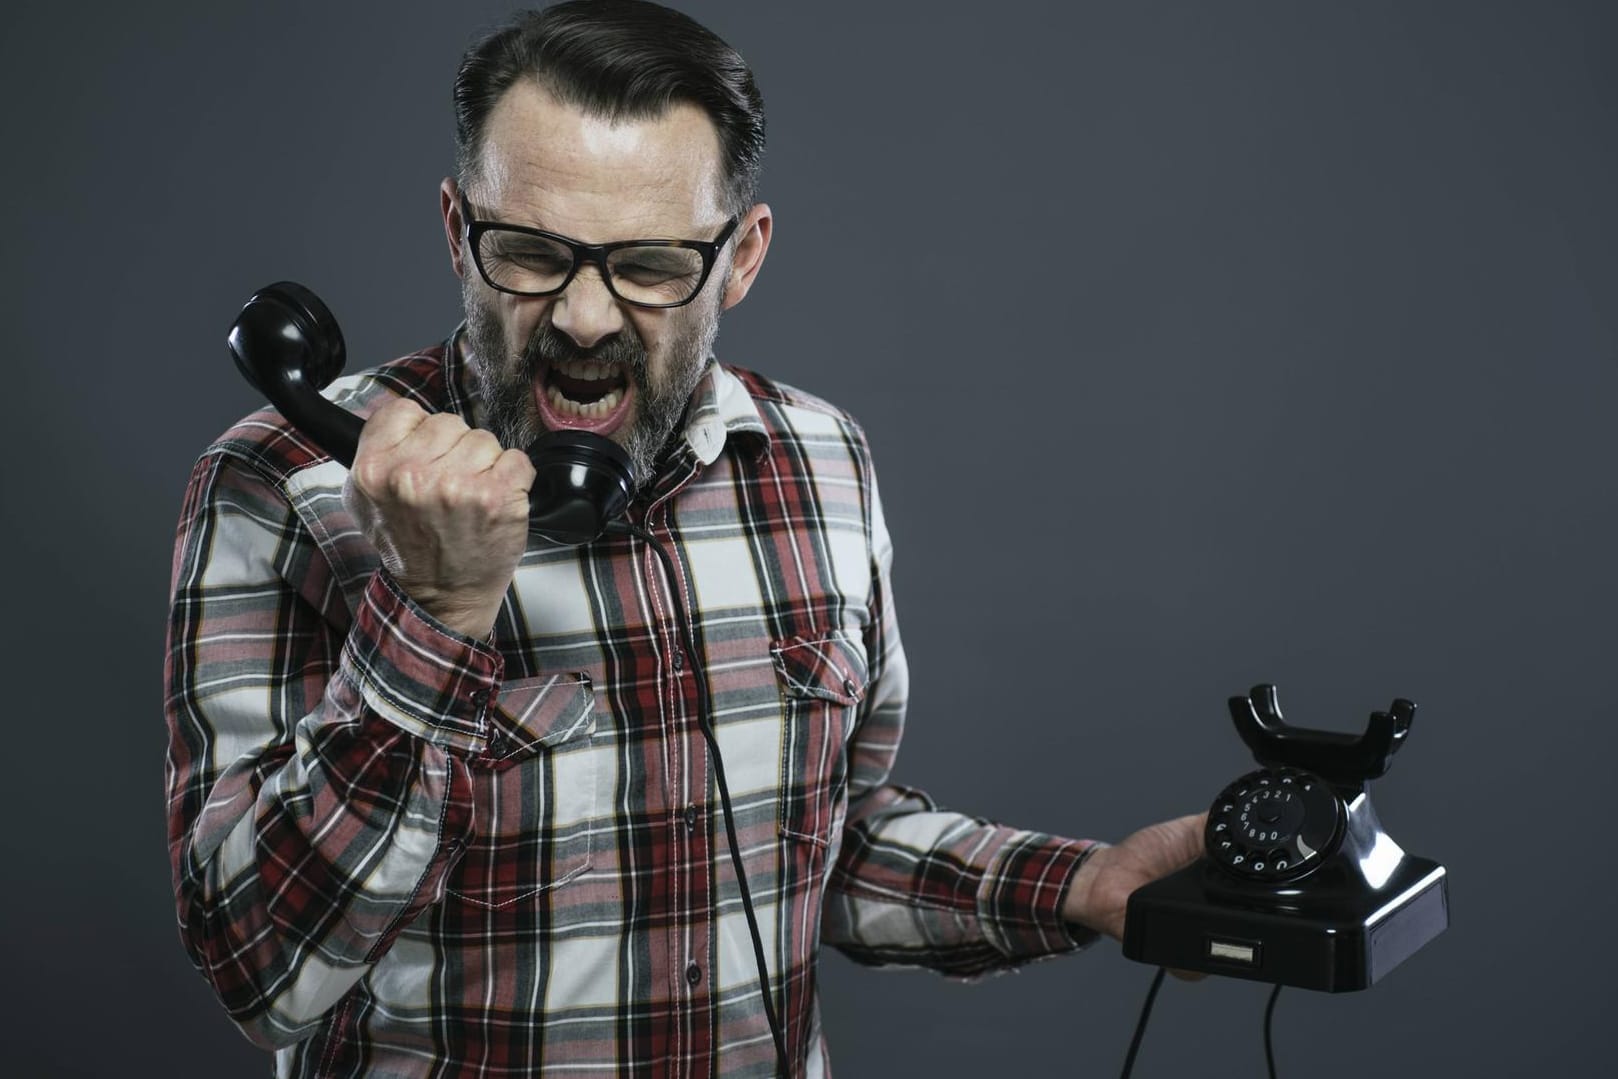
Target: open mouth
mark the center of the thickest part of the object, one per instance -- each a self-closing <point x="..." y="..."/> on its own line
<point x="584" y="395"/>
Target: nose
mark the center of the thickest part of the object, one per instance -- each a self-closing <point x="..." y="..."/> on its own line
<point x="586" y="311"/>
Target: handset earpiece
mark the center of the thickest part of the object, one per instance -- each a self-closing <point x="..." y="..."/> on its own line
<point x="287" y="345"/>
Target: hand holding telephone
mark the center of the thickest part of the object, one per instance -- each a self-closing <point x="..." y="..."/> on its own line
<point x="287" y="344"/>
<point x="1299" y="884"/>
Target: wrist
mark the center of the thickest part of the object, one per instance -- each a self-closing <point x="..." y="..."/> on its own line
<point x="477" y="624"/>
<point x="470" y="615"/>
<point x="415" y="672"/>
<point x="1078" y="904"/>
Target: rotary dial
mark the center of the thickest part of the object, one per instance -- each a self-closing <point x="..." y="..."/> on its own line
<point x="1272" y="825"/>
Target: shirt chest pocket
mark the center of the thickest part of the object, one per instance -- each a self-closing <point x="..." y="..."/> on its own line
<point x="536" y="797"/>
<point x="822" y="683"/>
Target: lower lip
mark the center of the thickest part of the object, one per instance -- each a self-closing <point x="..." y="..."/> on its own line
<point x="596" y="425"/>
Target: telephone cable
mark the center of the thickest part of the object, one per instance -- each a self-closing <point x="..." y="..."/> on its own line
<point x="705" y="722"/>
<point x="1146" y="1012"/>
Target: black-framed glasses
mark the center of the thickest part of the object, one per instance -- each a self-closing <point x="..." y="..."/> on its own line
<point x="646" y="273"/>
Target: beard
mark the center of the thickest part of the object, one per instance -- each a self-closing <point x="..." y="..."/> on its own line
<point x="505" y="383"/>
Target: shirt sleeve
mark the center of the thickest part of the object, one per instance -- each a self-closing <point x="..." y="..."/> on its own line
<point x="917" y="885"/>
<point x="317" y="786"/>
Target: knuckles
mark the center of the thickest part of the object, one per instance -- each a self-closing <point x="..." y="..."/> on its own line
<point x="444" y="505"/>
<point x="479" y="493"/>
<point x="421" y="459"/>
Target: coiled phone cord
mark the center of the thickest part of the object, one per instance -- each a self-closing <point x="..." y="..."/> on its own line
<point x="1146" y="1011"/>
<point x="705" y="722"/>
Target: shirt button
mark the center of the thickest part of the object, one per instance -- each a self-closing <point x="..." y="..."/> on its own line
<point x="678" y="659"/>
<point x="693" y="974"/>
<point x="848" y="686"/>
<point x="690" y="818"/>
<point x="481" y="697"/>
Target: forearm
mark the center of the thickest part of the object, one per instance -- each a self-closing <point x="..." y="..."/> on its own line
<point x="289" y="888"/>
<point x="919" y="886"/>
<point x="317" y="788"/>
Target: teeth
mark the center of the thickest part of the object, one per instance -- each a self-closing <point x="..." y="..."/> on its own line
<point x="594" y="411"/>
<point x="587" y="370"/>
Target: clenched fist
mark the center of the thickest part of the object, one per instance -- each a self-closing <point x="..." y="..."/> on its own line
<point x="446" y="508"/>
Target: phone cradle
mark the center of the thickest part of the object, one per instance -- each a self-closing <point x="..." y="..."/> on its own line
<point x="1299" y="884"/>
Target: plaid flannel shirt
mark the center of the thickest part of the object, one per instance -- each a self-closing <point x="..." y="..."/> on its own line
<point x="398" y="851"/>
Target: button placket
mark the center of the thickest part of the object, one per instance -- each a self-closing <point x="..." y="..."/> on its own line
<point x="692" y="903"/>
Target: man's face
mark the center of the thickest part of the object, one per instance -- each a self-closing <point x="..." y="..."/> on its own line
<point x="583" y="359"/>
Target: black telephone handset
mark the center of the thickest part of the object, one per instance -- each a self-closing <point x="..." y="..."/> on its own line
<point x="1299" y="883"/>
<point x="287" y="344"/>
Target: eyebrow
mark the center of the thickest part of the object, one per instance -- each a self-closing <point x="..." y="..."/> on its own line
<point x="552" y="232"/>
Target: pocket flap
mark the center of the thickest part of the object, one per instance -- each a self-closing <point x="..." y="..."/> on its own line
<point x="544" y="711"/>
<point x="831" y="668"/>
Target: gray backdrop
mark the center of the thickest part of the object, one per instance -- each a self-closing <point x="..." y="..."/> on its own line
<point x="1200" y="344"/>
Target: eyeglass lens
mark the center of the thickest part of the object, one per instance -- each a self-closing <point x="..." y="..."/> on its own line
<point x="651" y="275"/>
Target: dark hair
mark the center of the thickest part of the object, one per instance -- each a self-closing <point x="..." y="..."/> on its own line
<point x="619" y="59"/>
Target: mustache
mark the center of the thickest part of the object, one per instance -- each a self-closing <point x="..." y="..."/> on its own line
<point x="547" y="345"/>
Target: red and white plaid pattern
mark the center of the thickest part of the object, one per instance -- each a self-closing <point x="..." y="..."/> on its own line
<point x="401" y="852"/>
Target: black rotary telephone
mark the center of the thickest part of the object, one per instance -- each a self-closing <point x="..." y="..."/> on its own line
<point x="1299" y="884"/>
<point x="287" y="344"/>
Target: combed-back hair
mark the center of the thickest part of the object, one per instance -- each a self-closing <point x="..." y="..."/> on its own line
<point x="620" y="60"/>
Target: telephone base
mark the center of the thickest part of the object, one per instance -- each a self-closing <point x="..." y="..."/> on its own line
<point x="1339" y="946"/>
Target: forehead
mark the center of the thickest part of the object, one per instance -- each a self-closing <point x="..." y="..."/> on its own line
<point x="552" y="165"/>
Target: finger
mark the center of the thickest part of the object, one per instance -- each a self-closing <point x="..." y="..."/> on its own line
<point x="1188" y="975"/>
<point x="428" y="461"/>
<point x="432" y="439"/>
<point x="390" y="425"/>
<point x="501" y="476"/>
<point x="513" y="467"/>
<point x="475" y="451"/>
<point x="1195" y="824"/>
<point x="1175" y="842"/>
<point x="386" y="429"/>
<point x="447" y="464"/>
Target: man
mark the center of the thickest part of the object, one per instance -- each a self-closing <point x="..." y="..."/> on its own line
<point x="440" y="803"/>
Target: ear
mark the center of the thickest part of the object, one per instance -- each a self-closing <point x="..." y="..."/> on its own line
<point x="751" y="246"/>
<point x="449" y="205"/>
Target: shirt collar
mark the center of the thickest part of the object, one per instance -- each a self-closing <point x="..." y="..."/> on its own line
<point x="720" y="409"/>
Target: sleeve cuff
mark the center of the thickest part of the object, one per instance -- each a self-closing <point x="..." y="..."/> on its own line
<point x="417" y="673"/>
<point x="1020" y="902"/>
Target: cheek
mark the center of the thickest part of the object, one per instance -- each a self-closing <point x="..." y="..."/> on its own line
<point x="672" y="340"/>
<point x="511" y="320"/>
<point x="657" y="334"/>
<point x="521" y="318"/>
